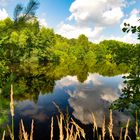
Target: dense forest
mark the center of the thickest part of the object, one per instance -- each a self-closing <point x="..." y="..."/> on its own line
<point x="32" y="52"/>
<point x="30" y="47"/>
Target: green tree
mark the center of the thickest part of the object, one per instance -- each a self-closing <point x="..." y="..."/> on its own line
<point x="131" y="92"/>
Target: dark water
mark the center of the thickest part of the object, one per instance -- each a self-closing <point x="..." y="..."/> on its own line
<point x="78" y="99"/>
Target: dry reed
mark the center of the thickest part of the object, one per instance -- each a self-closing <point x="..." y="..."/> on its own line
<point x="20" y="132"/>
<point x="12" y="101"/>
<point x="126" y="131"/>
<point x="110" y="126"/>
<point x="79" y="130"/>
<point x="121" y="130"/>
<point x="10" y="132"/>
<point x="60" y="124"/>
<point x="71" y="133"/>
<point x="67" y="129"/>
<point x="32" y="130"/>
<point x="51" y="138"/>
<point x="95" y="127"/>
<point x="12" y="110"/>
<point x="137" y="125"/>
<point x="103" y="129"/>
<point x="3" y="137"/>
<point x="25" y="135"/>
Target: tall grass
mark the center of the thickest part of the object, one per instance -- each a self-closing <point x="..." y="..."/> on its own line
<point x="12" y="110"/>
<point x="103" y="129"/>
<point x="110" y="126"/>
<point x="23" y="135"/>
<point x="3" y="137"/>
<point x="126" y="131"/>
<point x="51" y="137"/>
<point x="68" y="128"/>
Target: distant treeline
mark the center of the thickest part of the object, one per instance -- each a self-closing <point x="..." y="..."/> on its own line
<point x="30" y="43"/>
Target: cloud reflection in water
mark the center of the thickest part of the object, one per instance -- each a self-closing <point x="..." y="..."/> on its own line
<point x="95" y="95"/>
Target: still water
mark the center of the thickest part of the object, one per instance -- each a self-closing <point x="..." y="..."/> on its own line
<point x="78" y="99"/>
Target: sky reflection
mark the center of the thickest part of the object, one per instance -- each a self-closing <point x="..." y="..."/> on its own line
<point x="93" y="96"/>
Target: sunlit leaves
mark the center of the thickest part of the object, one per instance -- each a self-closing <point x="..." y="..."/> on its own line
<point x="130" y="96"/>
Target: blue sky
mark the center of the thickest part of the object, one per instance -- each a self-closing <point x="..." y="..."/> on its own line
<point x="97" y="19"/>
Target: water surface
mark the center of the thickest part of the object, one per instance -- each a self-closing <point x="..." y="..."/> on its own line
<point x="78" y="99"/>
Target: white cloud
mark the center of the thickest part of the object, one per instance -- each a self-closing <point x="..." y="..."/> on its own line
<point x="43" y="22"/>
<point x="110" y="18"/>
<point x="132" y="18"/>
<point x="99" y="12"/>
<point x="128" y="38"/>
<point x="94" y="79"/>
<point x="72" y="31"/>
<point x="3" y="14"/>
<point x="94" y="35"/>
<point x="67" y="81"/>
<point x="93" y="18"/>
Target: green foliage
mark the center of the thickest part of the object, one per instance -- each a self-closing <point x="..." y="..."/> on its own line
<point x="134" y="29"/>
<point x="131" y="92"/>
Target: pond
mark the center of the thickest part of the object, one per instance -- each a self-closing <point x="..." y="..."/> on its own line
<point x="72" y="97"/>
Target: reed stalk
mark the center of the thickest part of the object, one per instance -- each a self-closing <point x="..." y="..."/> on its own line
<point x="20" y="132"/>
<point x="60" y="124"/>
<point x="10" y="132"/>
<point x="126" y="130"/>
<point x="137" y="125"/>
<point x="95" y="127"/>
<point x="3" y="137"/>
<point x="25" y="135"/>
<point x="71" y="133"/>
<point x="110" y="126"/>
<point x="103" y="129"/>
<point x="51" y="138"/>
<point x="12" y="109"/>
<point x="121" y="130"/>
<point x="79" y="130"/>
<point x="67" y="129"/>
<point x="32" y="130"/>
